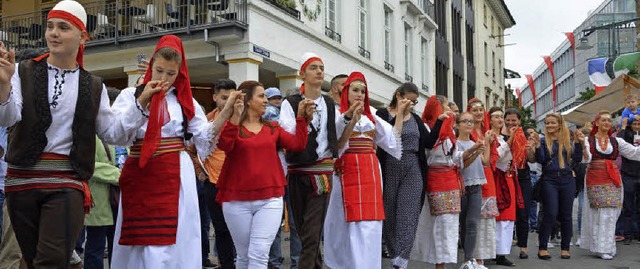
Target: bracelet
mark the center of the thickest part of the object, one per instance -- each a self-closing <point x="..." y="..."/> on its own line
<point x="347" y="118"/>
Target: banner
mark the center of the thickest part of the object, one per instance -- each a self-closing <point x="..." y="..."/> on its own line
<point x="554" y="89"/>
<point x="572" y="40"/>
<point x="519" y="95"/>
<point x="533" y="94"/>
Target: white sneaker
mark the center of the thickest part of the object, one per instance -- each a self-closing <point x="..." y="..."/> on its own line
<point x="75" y="258"/>
<point x="550" y="245"/>
<point x="578" y="242"/>
<point x="467" y="265"/>
<point x="606" y="256"/>
<point x="479" y="266"/>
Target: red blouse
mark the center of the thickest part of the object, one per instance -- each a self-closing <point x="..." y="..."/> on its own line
<point x="252" y="169"/>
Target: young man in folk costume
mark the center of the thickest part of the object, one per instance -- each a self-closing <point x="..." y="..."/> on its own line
<point x="309" y="171"/>
<point x="55" y="108"/>
<point x="353" y="227"/>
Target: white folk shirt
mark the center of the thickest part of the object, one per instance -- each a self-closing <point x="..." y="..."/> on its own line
<point x="288" y="123"/>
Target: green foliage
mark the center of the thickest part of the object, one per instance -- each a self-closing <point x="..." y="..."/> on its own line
<point x="287" y="3"/>
<point x="527" y="119"/>
<point x="586" y="94"/>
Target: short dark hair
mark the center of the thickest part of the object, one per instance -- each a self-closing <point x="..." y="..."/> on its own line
<point x="223" y="84"/>
<point x="514" y="111"/>
<point x="452" y="103"/>
<point x="113" y="93"/>
<point x="28" y="53"/>
<point x="407" y="87"/>
<point x="338" y="77"/>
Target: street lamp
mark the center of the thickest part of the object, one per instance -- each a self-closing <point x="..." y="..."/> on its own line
<point x="584" y="44"/>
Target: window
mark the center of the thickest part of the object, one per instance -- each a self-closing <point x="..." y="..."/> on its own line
<point x="500" y="78"/>
<point x="407" y="49"/>
<point x="388" y="17"/>
<point x="423" y="60"/>
<point x="493" y="64"/>
<point x="486" y="59"/>
<point x="492" y="27"/>
<point x="469" y="44"/>
<point x="362" y="24"/>
<point x="484" y="16"/>
<point x="330" y="15"/>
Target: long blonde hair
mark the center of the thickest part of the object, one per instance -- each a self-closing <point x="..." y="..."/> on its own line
<point x="563" y="136"/>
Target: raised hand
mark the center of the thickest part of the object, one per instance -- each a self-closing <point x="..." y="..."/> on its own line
<point x="404" y="106"/>
<point x="489" y="136"/>
<point x="358" y="111"/>
<point x="306" y="108"/>
<point x="352" y="108"/>
<point x="7" y="69"/>
<point x="150" y="89"/>
<point x="579" y="136"/>
<point x="479" y="144"/>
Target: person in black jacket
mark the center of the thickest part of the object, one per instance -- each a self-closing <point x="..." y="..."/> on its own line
<point x="404" y="179"/>
<point x="630" y="171"/>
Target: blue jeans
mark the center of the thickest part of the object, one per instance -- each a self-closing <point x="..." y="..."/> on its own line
<point x="97" y="237"/>
<point x="295" y="245"/>
<point x="557" y="199"/>
<point x="629" y="210"/>
<point x="580" y="202"/>
<point x="533" y="208"/>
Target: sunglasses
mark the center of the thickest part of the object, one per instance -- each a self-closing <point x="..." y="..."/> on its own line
<point x="414" y="102"/>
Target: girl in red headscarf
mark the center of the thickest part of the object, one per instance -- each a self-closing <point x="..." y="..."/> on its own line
<point x="486" y="236"/>
<point x="158" y="222"/>
<point x="437" y="238"/>
<point x="604" y="186"/>
<point x="353" y="226"/>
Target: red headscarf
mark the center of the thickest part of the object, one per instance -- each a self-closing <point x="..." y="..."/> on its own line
<point x="432" y="110"/>
<point x="159" y="114"/>
<point x="344" y="101"/>
<point x="594" y="129"/>
<point x="69" y="11"/>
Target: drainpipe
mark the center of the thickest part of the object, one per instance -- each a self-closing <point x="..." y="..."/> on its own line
<point x="206" y="39"/>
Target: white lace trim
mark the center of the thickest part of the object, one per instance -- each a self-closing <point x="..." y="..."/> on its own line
<point x="475" y="181"/>
<point x="211" y="141"/>
<point x="397" y="136"/>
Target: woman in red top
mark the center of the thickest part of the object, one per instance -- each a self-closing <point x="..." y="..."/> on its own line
<point x="251" y="183"/>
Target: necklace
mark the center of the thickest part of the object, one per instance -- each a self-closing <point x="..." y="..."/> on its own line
<point x="603" y="142"/>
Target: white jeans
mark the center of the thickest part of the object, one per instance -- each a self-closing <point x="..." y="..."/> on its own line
<point x="253" y="226"/>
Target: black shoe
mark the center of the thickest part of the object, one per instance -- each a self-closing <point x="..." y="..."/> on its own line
<point x="502" y="260"/>
<point x="565" y="257"/>
<point x="523" y="255"/>
<point x="544" y="257"/>
<point x="208" y="264"/>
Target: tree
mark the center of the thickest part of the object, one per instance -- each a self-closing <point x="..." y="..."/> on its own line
<point x="526" y="114"/>
<point x="587" y="94"/>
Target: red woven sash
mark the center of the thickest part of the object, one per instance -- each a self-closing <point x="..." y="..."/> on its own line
<point x="150" y="198"/>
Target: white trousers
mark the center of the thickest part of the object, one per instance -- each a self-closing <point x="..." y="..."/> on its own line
<point x="504" y="237"/>
<point x="253" y="226"/>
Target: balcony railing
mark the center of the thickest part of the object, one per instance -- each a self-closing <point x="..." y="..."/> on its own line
<point x="388" y="66"/>
<point x="428" y="8"/>
<point x="291" y="11"/>
<point x="121" y="21"/>
<point x="333" y="34"/>
<point x="408" y="78"/>
<point x="364" y="53"/>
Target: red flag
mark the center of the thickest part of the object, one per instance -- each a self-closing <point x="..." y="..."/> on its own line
<point x="572" y="40"/>
<point x="519" y="95"/>
<point x="533" y="94"/>
<point x="547" y="60"/>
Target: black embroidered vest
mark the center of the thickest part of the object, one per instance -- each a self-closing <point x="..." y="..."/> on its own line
<point x="309" y="155"/>
<point x="597" y="155"/>
<point x="28" y="139"/>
